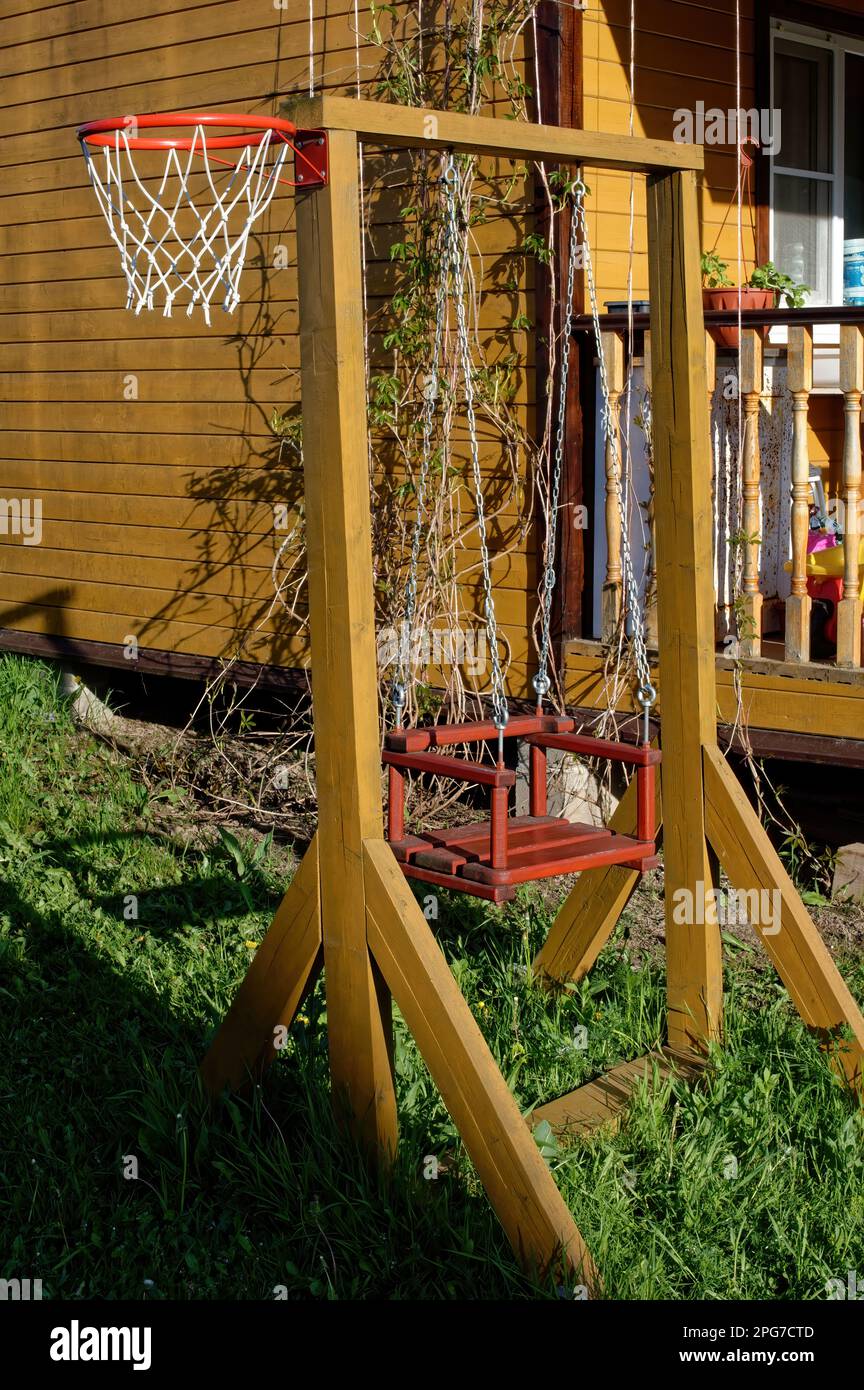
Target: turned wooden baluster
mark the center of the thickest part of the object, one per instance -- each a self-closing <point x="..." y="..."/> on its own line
<point x="750" y="390"/>
<point x="852" y="386"/>
<point x="613" y="350"/>
<point x="651" y="558"/>
<point x="799" y="378"/>
<point x="711" y="371"/>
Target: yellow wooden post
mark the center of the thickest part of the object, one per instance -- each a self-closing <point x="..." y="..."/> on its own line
<point x="342" y="624"/>
<point x="685" y="600"/>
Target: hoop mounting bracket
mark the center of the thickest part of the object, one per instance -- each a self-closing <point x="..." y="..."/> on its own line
<point x="310" y="160"/>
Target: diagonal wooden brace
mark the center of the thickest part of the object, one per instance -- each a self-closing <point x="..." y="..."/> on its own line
<point x="803" y="961"/>
<point x="283" y="970"/>
<point x="502" y="1149"/>
<point x="588" y="917"/>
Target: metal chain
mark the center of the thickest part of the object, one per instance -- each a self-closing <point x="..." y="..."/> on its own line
<point x="430" y="401"/>
<point x="541" y="681"/>
<point x="646" y="694"/>
<point x="500" y="712"/>
<point x="452" y="260"/>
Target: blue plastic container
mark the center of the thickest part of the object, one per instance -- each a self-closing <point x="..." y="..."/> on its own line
<point x="853" y="272"/>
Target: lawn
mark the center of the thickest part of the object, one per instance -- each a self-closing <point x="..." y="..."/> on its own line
<point x="121" y="944"/>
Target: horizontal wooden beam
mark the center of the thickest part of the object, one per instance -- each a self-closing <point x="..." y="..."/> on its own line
<point x="636" y="755"/>
<point x="750" y="318"/>
<point x="80" y="651"/>
<point x="382" y="123"/>
<point x="789" y="746"/>
<point x="477" y="731"/>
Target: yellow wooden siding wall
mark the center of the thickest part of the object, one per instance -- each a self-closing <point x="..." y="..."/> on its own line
<point x="158" y="518"/>
<point x="684" y="53"/>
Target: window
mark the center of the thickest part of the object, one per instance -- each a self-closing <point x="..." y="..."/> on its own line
<point x="817" y="174"/>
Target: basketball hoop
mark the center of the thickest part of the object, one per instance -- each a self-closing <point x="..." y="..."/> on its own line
<point x="182" y="226"/>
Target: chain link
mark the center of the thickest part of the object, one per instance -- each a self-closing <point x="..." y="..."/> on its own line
<point x="500" y="713"/>
<point x="430" y="401"/>
<point x="453" y="254"/>
<point x="541" y="681"/>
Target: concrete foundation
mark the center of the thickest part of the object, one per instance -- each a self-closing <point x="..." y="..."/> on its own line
<point x="574" y="790"/>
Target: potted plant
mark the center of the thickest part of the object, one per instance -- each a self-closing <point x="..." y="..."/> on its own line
<point x="760" y="292"/>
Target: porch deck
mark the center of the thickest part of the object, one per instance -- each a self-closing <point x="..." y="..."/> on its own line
<point x="792" y="710"/>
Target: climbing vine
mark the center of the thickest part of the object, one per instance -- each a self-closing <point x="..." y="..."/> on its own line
<point x="466" y="56"/>
<point x="459" y="57"/>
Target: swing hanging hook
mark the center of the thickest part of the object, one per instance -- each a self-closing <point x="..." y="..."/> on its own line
<point x="500" y="718"/>
<point x="399" y="696"/>
<point x="646" y="696"/>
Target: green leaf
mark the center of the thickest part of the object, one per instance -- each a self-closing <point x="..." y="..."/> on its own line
<point x="235" y="850"/>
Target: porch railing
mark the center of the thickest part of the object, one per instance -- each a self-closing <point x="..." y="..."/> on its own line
<point x="745" y="369"/>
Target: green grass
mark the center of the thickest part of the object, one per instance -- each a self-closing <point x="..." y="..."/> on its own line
<point x="104" y="1019"/>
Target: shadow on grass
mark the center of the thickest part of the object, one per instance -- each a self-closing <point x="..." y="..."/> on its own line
<point x="105" y="1022"/>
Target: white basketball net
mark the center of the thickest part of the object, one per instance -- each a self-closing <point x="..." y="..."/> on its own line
<point x="161" y="263"/>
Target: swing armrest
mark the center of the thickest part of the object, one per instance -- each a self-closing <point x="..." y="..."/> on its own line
<point x="478" y="731"/>
<point x="637" y="755"/>
<point x="441" y="766"/>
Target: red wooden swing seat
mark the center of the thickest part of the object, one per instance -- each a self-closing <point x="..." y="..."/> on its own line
<point x="489" y="858"/>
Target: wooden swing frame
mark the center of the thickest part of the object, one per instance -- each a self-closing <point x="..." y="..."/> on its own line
<point x="348" y="907"/>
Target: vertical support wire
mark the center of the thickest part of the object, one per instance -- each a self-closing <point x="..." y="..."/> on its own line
<point x="627" y="485"/>
<point x="311" y="48"/>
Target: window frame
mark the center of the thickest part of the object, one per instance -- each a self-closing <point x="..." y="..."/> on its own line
<point x="838" y="44"/>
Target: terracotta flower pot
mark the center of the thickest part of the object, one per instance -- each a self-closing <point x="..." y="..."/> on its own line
<point x="726" y="336"/>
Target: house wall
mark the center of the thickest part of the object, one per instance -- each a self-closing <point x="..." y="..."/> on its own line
<point x="158" y="510"/>
<point x="684" y="53"/>
<point x="158" y="518"/>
